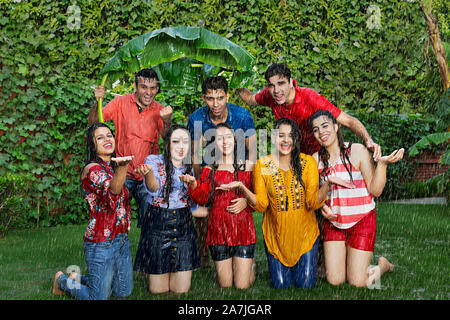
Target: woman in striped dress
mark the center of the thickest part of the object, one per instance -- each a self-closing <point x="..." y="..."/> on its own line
<point x="349" y="229"/>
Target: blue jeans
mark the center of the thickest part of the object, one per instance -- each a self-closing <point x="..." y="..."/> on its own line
<point x="302" y="275"/>
<point x="110" y="271"/>
<point x="139" y="193"/>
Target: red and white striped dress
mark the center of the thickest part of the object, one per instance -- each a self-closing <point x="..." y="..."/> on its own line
<point x="350" y="205"/>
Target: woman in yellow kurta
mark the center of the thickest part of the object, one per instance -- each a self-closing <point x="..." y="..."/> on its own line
<point x="286" y="185"/>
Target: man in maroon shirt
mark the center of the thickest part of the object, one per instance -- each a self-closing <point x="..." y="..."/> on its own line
<point x="289" y="100"/>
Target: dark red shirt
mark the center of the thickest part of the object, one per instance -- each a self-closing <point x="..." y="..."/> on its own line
<point x="109" y="213"/>
<point x="306" y="103"/>
<point x="224" y="227"/>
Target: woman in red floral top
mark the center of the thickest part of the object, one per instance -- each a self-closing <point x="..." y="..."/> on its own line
<point x="106" y="245"/>
<point x="231" y="235"/>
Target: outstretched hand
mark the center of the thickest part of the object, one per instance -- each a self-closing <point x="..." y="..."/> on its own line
<point x="229" y="186"/>
<point x="122" y="161"/>
<point x="189" y="180"/>
<point x="395" y="156"/>
<point x="143" y="169"/>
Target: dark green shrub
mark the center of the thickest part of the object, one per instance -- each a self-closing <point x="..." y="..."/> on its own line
<point x="394" y="131"/>
<point x="13" y="188"/>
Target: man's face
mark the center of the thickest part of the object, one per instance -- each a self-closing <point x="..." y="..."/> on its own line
<point x="280" y="88"/>
<point x="216" y="100"/>
<point x="146" y="90"/>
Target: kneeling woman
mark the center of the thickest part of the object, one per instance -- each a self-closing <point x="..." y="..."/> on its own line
<point x="349" y="229"/>
<point x="231" y="234"/>
<point x="167" y="249"/>
<point x="106" y="246"/>
<point x="286" y="185"/>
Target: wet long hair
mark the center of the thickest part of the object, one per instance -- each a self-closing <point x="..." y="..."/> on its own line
<point x="323" y="153"/>
<point x="237" y="164"/>
<point x="168" y="186"/>
<point x="91" y="154"/>
<point x="296" y="165"/>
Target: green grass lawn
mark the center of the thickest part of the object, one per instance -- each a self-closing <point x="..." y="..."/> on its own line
<point x="415" y="238"/>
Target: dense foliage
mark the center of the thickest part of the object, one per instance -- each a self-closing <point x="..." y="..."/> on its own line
<point x="370" y="57"/>
<point x="13" y="188"/>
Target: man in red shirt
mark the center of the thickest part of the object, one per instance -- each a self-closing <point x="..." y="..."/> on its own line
<point x="139" y="122"/>
<point x="289" y="100"/>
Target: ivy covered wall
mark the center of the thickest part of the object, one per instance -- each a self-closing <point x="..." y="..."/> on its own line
<point x="364" y="56"/>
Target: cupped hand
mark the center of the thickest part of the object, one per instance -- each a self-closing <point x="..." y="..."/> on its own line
<point x="188" y="179"/>
<point x="143" y="169"/>
<point x="122" y="161"/>
<point x="395" y="156"/>
<point x="229" y="186"/>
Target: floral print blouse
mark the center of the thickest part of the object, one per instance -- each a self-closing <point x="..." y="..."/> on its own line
<point x="109" y="213"/>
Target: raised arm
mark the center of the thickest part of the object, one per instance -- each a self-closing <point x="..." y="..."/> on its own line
<point x="99" y="92"/>
<point x="358" y="128"/>
<point x="247" y="96"/>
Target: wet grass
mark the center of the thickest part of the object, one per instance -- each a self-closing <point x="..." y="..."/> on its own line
<point x="415" y="238"/>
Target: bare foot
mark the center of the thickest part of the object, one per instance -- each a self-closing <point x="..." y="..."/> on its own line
<point x="74" y="276"/>
<point x="55" y="289"/>
<point x="376" y="272"/>
<point x="374" y="275"/>
<point x="385" y="265"/>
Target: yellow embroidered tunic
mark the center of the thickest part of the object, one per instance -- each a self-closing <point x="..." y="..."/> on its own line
<point x="289" y="222"/>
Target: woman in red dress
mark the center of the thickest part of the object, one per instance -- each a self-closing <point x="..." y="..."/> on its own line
<point x="231" y="234"/>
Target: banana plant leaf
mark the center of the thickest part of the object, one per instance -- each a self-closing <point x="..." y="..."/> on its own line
<point x="182" y="57"/>
<point x="194" y="45"/>
<point x="432" y="139"/>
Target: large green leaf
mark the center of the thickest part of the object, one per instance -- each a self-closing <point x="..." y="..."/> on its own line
<point x="445" y="158"/>
<point x="183" y="46"/>
<point x="431" y="139"/>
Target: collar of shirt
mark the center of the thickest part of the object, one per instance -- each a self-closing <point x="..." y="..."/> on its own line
<point x="228" y="120"/>
<point x="297" y="97"/>
<point x="133" y="100"/>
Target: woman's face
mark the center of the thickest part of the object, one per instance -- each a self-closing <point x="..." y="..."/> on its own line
<point x="284" y="141"/>
<point x="324" y="130"/>
<point x="104" y="141"/>
<point x="225" y="141"/>
<point x="179" y="145"/>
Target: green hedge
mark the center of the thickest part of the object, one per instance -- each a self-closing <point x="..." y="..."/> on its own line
<point x="391" y="132"/>
<point x="51" y="54"/>
<point x="13" y="190"/>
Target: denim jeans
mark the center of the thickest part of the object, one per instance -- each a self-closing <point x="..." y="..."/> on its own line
<point x="302" y="275"/>
<point x="110" y="271"/>
<point x="139" y="193"/>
